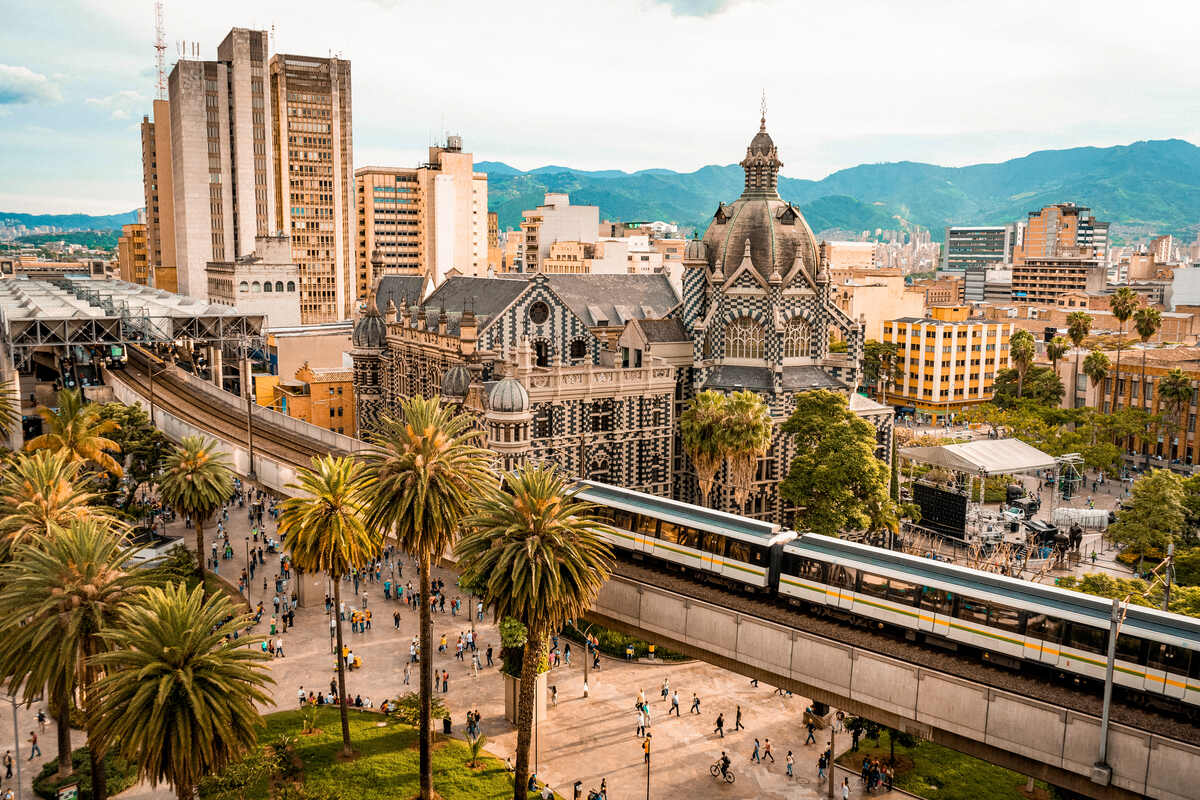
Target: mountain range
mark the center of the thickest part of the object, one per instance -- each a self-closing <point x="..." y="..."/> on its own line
<point x="68" y="222"/>
<point x="1145" y="188"/>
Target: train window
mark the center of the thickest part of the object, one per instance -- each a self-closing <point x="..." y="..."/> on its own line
<point x="622" y="519"/>
<point x="1048" y="629"/>
<point x="845" y="577"/>
<point x="873" y="585"/>
<point x="1004" y="618"/>
<point x="1087" y="638"/>
<point x="689" y="537"/>
<point x="746" y="553"/>
<point x="937" y="601"/>
<point x="714" y="543"/>
<point x="647" y="526"/>
<point x="1168" y="657"/>
<point x="603" y="513"/>
<point x="1129" y="648"/>
<point x="901" y="592"/>
<point x="669" y="532"/>
<point x="972" y="610"/>
<point x="803" y="567"/>
<point x="1195" y="669"/>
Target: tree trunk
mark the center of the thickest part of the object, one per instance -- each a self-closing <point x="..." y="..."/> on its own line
<point x="341" y="666"/>
<point x="1117" y="372"/>
<point x="425" y="729"/>
<point x="200" y="546"/>
<point x="99" y="778"/>
<point x="1020" y="382"/>
<point x="1145" y="404"/>
<point x="60" y="708"/>
<point x="534" y="645"/>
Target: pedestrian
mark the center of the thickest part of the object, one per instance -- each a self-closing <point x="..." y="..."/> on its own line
<point x="646" y="746"/>
<point x="8" y="764"/>
<point x="445" y="681"/>
<point x="554" y="696"/>
<point x="489" y="655"/>
<point x="41" y="720"/>
<point x="34" y="750"/>
<point x="790" y="761"/>
<point x="767" y="750"/>
<point x="407" y="668"/>
<point x="629" y="652"/>
<point x="720" y="725"/>
<point x="396" y="619"/>
<point x="811" y="739"/>
<point x="737" y="722"/>
<point x="695" y="709"/>
<point x="279" y="647"/>
<point x="821" y="767"/>
<point x="641" y="722"/>
<point x="300" y="695"/>
<point x="666" y="689"/>
<point x="585" y="688"/>
<point x="756" y="758"/>
<point x="674" y="704"/>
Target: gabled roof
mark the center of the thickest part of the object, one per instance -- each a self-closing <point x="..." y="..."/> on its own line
<point x="663" y="330"/>
<point x="615" y="299"/>
<point x="402" y="290"/>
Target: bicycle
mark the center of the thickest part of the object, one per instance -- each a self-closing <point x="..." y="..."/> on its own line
<point x="715" y="771"/>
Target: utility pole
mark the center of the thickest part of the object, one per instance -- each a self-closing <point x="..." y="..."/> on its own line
<point x="1102" y="772"/>
<point x="247" y="379"/>
<point x="832" y="756"/>
<point x="16" y="745"/>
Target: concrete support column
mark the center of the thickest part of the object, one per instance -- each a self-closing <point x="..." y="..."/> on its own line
<point x="218" y="365"/>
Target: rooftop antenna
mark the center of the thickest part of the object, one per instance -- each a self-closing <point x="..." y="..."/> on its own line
<point x="160" y="49"/>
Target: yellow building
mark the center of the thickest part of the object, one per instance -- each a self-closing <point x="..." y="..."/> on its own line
<point x="133" y="257"/>
<point x="948" y="360"/>
<point x="322" y="397"/>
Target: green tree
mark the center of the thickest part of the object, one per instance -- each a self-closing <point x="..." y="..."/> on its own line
<point x="835" y="479"/>
<point x="1146" y="321"/>
<point x="40" y="493"/>
<point x="747" y="436"/>
<point x="197" y="482"/>
<point x="325" y="530"/>
<point x="1175" y="393"/>
<point x="1043" y="387"/>
<point x="1122" y="304"/>
<point x="700" y="426"/>
<point x="59" y="594"/>
<point x="1154" y="515"/>
<point x="10" y="408"/>
<point x="1056" y="348"/>
<point x="180" y="696"/>
<point x="543" y="558"/>
<point x="141" y="449"/>
<point x="1022" y="350"/>
<point x="77" y="429"/>
<point x="1191" y="510"/>
<point x="425" y="470"/>
<point x="880" y="365"/>
<point x="1096" y="367"/>
<point x="1079" y="323"/>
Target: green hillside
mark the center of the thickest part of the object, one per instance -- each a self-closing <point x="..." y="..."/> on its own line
<point x="1145" y="188"/>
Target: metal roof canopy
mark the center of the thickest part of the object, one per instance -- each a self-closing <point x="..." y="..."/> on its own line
<point x="983" y="457"/>
<point x="95" y="312"/>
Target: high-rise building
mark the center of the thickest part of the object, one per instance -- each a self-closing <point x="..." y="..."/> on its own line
<point x="1064" y="229"/>
<point x="157" y="185"/>
<point x="987" y="245"/>
<point x="495" y="256"/>
<point x="133" y="262"/>
<point x="556" y="220"/>
<point x="220" y="156"/>
<point x="422" y="220"/>
<point x="313" y="153"/>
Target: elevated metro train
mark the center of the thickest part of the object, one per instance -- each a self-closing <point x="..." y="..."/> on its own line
<point x="1007" y="620"/>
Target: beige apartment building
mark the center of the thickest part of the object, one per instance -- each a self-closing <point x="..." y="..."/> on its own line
<point x="158" y="188"/>
<point x="872" y="296"/>
<point x="220" y="156"/>
<point x="133" y="263"/>
<point x="1044" y="280"/>
<point x="495" y="256"/>
<point x="314" y="179"/>
<point x="264" y="281"/>
<point x="553" y="221"/>
<point x="424" y="220"/>
<point x="845" y="256"/>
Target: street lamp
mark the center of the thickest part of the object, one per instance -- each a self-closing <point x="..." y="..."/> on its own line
<point x="244" y="348"/>
<point x="17" y="740"/>
<point x="248" y="568"/>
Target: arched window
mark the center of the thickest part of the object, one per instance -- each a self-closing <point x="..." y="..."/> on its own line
<point x="255" y="287"/>
<point x="291" y="286"/>
<point x="243" y="286"/>
<point x="266" y="286"/>
<point x="279" y="286"/>
<point x="796" y="338"/>
<point x="578" y="349"/>
<point x="743" y="339"/>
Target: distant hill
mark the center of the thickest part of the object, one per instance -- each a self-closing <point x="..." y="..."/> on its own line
<point x="69" y="222"/>
<point x="1144" y="188"/>
<point x="94" y="240"/>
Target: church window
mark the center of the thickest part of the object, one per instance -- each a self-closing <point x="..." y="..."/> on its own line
<point x="256" y="287"/>
<point x="744" y="339"/>
<point x="243" y="286"/>
<point x="266" y="286"/>
<point x="539" y="312"/>
<point x="796" y="338"/>
<point x="541" y="353"/>
<point x="598" y="470"/>
<point x="291" y="286"/>
<point x="543" y="422"/>
<point x="279" y="286"/>
<point x="600" y="415"/>
<point x="578" y="349"/>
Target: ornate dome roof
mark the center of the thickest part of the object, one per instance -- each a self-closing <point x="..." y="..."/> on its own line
<point x="456" y="381"/>
<point x="370" y="330"/>
<point x="508" y="396"/>
<point x="776" y="230"/>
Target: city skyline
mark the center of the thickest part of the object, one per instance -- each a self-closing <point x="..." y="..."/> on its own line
<point x="915" y="87"/>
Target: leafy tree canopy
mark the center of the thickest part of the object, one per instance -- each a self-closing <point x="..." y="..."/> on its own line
<point x="1042" y="387"/>
<point x="1155" y="514"/>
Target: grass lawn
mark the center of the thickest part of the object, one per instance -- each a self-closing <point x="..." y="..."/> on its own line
<point x="939" y="773"/>
<point x="387" y="764"/>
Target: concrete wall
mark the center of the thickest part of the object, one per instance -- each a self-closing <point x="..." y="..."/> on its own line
<point x="1030" y="736"/>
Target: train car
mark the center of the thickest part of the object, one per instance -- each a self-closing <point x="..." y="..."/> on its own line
<point x="1008" y="620"/>
<point x="739" y="551"/>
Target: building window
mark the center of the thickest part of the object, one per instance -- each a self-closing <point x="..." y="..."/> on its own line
<point x="578" y="349"/>
<point x="255" y="287"/>
<point x="601" y="415"/>
<point x="279" y="286"/>
<point x="243" y="286"/>
<point x="796" y="338"/>
<point x="539" y="312"/>
<point x="291" y="286"/>
<point x="267" y="286"/>
<point x="541" y="353"/>
<point x="543" y="422"/>
<point x="744" y="339"/>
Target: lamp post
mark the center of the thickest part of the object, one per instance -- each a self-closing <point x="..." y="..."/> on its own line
<point x="247" y="379"/>
<point x="646" y="745"/>
<point x="248" y="568"/>
<point x="16" y="745"/>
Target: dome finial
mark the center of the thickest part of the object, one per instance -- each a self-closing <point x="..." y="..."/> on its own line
<point x="762" y="107"/>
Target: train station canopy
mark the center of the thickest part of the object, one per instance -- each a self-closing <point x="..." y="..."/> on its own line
<point x="983" y="457"/>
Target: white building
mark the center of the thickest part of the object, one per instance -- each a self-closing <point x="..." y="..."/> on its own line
<point x="265" y="281"/>
<point x="554" y="221"/>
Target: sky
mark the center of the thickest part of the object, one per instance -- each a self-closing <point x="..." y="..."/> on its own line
<point x="617" y="84"/>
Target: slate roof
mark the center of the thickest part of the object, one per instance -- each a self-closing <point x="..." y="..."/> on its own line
<point x="795" y="379"/>
<point x="799" y="378"/>
<point x="615" y="299"/>
<point x="486" y="296"/>
<point x="402" y="290"/>
<point x="663" y="330"/>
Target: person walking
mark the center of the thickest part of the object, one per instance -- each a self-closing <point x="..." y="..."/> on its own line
<point x="407" y="670"/>
<point x="845" y="789"/>
<point x="811" y="739"/>
<point x="646" y="747"/>
<point x="8" y="764"/>
<point x="34" y="750"/>
<point x="821" y="767"/>
<point x="756" y="758"/>
<point x="695" y="709"/>
<point x="720" y="725"/>
<point x="737" y="721"/>
<point x="791" y="762"/>
<point x="641" y="722"/>
<point x="767" y="750"/>
<point x="674" y="704"/>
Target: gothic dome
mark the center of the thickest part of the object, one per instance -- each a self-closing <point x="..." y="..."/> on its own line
<point x="508" y="396"/>
<point x="456" y="381"/>
<point x="777" y="231"/>
<point x="370" y="330"/>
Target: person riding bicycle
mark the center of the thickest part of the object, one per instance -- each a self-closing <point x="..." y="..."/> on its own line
<point x="723" y="764"/>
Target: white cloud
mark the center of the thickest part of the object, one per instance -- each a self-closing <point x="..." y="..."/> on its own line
<point x="23" y="85"/>
<point x="122" y="103"/>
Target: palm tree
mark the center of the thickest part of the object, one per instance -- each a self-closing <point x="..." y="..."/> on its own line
<point x="180" y="695"/>
<point x="747" y="436"/>
<point x="60" y="593"/>
<point x="1175" y="392"/>
<point x="1056" y="348"/>
<point x="1122" y="304"/>
<point x="425" y="470"/>
<point x="197" y="481"/>
<point x="1022" y="349"/>
<point x="324" y="528"/>
<point x="1095" y="367"/>
<point x="542" y="558"/>
<point x="1146" y="320"/>
<point x="701" y="426"/>
<point x="77" y="429"/>
<point x="1079" y="323"/>
<point x="10" y="408"/>
<point x="41" y="492"/>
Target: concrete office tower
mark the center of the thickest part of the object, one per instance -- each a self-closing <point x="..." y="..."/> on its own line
<point x="221" y="156"/>
<point x="1064" y="229"/>
<point x="314" y="179"/>
<point x="424" y="220"/>
<point x="556" y="220"/>
<point x="157" y="184"/>
<point x="132" y="254"/>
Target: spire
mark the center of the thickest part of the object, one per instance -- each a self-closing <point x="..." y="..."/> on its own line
<point x="761" y="163"/>
<point x="762" y="107"/>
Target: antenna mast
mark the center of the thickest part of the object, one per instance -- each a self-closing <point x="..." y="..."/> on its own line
<point x="160" y="49"/>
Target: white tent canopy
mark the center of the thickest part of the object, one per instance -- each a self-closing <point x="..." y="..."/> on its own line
<point x="983" y="457"/>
